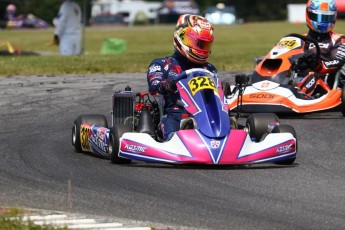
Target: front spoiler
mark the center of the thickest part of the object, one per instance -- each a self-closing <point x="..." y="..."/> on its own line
<point x="191" y="147"/>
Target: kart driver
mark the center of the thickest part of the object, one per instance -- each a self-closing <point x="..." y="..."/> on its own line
<point x="193" y="38"/>
<point x="321" y="17"/>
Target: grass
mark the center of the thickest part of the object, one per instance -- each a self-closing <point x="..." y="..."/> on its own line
<point x="10" y="219"/>
<point x="234" y="48"/>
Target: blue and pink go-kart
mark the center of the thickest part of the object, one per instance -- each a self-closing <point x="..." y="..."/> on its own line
<point x="208" y="134"/>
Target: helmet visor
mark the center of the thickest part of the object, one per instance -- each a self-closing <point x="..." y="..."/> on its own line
<point x="322" y="16"/>
<point x="198" y="43"/>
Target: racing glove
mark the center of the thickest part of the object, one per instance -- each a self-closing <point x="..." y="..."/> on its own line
<point x="168" y="85"/>
<point x="309" y="60"/>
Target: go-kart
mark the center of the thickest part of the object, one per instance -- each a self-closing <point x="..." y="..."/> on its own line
<point x="208" y="135"/>
<point x="273" y="86"/>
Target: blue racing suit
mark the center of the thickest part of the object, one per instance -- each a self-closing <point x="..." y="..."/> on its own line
<point x="160" y="78"/>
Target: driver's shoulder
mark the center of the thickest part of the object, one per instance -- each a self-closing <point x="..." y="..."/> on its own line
<point x="163" y="61"/>
<point x="211" y="67"/>
<point x="338" y="37"/>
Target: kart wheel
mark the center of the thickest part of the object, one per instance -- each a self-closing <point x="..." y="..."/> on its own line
<point x="97" y="119"/>
<point x="114" y="144"/>
<point x="257" y="124"/>
<point x="226" y="89"/>
<point x="286" y="129"/>
<point x="342" y="106"/>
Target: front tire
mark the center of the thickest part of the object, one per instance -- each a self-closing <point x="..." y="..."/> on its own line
<point x="342" y="105"/>
<point x="286" y="129"/>
<point x="257" y="124"/>
<point x="96" y="119"/>
<point x="114" y="143"/>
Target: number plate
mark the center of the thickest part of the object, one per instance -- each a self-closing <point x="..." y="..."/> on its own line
<point x="202" y="82"/>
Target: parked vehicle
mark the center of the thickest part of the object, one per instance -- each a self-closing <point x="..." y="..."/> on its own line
<point x="127" y="12"/>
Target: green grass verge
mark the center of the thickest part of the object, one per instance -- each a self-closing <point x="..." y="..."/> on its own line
<point x="234" y="48"/>
<point x="10" y="219"/>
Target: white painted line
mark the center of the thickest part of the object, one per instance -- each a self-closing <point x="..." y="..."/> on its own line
<point x="48" y="217"/>
<point x="94" y="226"/>
<point x="65" y="222"/>
<point x="134" y="228"/>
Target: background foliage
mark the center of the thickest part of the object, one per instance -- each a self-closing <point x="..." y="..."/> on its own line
<point x="249" y="10"/>
<point x="234" y="48"/>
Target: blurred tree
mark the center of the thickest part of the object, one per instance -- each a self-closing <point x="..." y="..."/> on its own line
<point x="253" y="10"/>
<point x="249" y="10"/>
<point x="45" y="9"/>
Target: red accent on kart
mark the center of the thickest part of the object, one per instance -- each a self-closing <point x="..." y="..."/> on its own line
<point x="185" y="115"/>
<point x="139" y="106"/>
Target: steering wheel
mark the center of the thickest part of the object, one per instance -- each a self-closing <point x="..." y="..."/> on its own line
<point x="308" y="40"/>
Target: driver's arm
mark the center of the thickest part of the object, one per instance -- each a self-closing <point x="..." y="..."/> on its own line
<point x="157" y="79"/>
<point x="336" y="59"/>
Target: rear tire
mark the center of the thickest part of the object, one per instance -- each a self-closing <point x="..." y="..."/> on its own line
<point x="114" y="144"/>
<point x="286" y="129"/>
<point x="257" y="124"/>
<point x="96" y="119"/>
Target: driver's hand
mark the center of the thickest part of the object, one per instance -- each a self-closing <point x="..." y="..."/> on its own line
<point x="168" y="85"/>
<point x="309" y="60"/>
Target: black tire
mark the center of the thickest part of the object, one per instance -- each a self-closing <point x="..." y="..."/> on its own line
<point x="286" y="129"/>
<point x="226" y="89"/>
<point x="342" y="106"/>
<point x="114" y="143"/>
<point x="257" y="124"/>
<point x="97" y="119"/>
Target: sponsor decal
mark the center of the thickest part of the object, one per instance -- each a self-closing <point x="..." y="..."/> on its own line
<point x="172" y="73"/>
<point x="284" y="149"/>
<point x="265" y="84"/>
<point x="135" y="148"/>
<point x="204" y="24"/>
<point x="330" y="63"/>
<point x="155" y="82"/>
<point x="262" y="95"/>
<point x="311" y="83"/>
<point x="155" y="68"/>
<point x="202" y="82"/>
<point x="214" y="144"/>
<point x="98" y="139"/>
<point x="321" y="45"/>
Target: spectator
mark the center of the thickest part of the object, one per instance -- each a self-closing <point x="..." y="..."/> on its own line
<point x="11" y="12"/>
<point x="68" y="28"/>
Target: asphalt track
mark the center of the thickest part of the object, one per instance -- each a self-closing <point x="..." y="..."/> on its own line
<point x="39" y="169"/>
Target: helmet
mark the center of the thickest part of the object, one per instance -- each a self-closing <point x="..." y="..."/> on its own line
<point x="11" y="8"/>
<point x="321" y="15"/>
<point x="193" y="38"/>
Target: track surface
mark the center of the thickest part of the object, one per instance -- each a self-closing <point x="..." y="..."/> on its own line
<point x="39" y="169"/>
